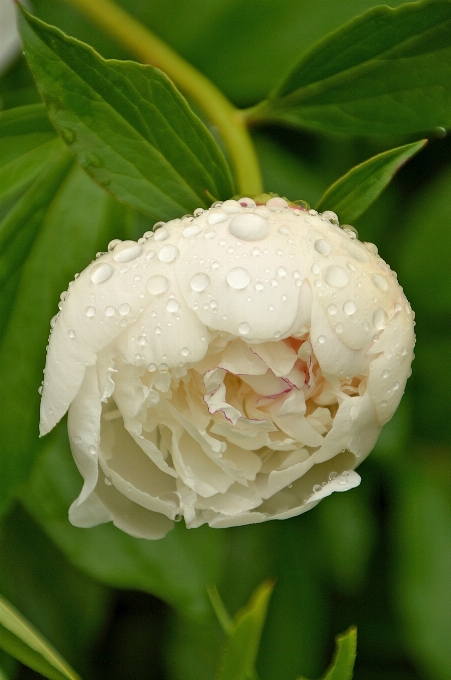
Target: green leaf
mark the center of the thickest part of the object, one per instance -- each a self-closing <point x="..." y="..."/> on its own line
<point x="127" y="124"/>
<point x="422" y="558"/>
<point x="244" y="638"/>
<point x="342" y="666"/>
<point x="3" y="675"/>
<point x="175" y="568"/>
<point x="387" y="71"/>
<point x="353" y="193"/>
<point x="20" y="639"/>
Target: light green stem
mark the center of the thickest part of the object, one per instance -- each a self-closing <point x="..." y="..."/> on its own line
<point x="149" y="49"/>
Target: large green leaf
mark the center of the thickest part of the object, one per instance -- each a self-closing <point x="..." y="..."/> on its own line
<point x="244" y="637"/>
<point x="176" y="568"/>
<point x="20" y="639"/>
<point x="127" y="124"/>
<point x="387" y="71"/>
<point x="353" y="193"/>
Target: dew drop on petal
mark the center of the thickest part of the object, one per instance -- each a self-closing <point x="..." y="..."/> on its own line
<point x="124" y="309"/>
<point x="157" y="284"/>
<point x="161" y="234"/>
<point x="259" y="285"/>
<point x="172" y="305"/>
<point x="317" y="488"/>
<point x="127" y="251"/>
<point x="231" y="206"/>
<point x="249" y="227"/>
<point x="276" y="203"/>
<point x="216" y="217"/>
<point x="101" y="272"/>
<point x="184" y="351"/>
<point x="244" y="328"/>
<point x="380" y="282"/>
<point x="199" y="282"/>
<point x="168" y="253"/>
<point x="339" y="328"/>
<point x="385" y="373"/>
<point x="332" y="309"/>
<point x="321" y="246"/>
<point x="281" y="271"/>
<point x="349" y="307"/>
<point x="191" y="231"/>
<point x="321" y="339"/>
<point x="380" y="318"/>
<point x="90" y="311"/>
<point x="112" y="244"/>
<point x="336" y="276"/>
<point x="71" y="334"/>
<point x="110" y="311"/>
<point x="238" y="278"/>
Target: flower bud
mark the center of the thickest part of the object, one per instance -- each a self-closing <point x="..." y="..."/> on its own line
<point x="231" y="367"/>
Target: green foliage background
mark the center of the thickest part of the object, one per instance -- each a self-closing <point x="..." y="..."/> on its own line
<point x="378" y="557"/>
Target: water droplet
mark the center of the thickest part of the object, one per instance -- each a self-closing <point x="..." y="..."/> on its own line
<point x="215" y="265"/>
<point x="262" y="211"/>
<point x="440" y="132"/>
<point x="330" y="216"/>
<point x="168" y="253"/>
<point x="281" y="271"/>
<point x="216" y="217"/>
<point x="321" y="339"/>
<point x="107" y="481"/>
<point x="277" y="203"/>
<point x="210" y="234"/>
<point x="199" y="282"/>
<point x="249" y="227"/>
<point x="41" y="389"/>
<point x="339" y="328"/>
<point x="213" y="304"/>
<point x="163" y="367"/>
<point x="371" y="247"/>
<point x="172" y="305"/>
<point x="231" y="206"/>
<point x="161" y="234"/>
<point x="316" y="268"/>
<point x="244" y="328"/>
<point x="259" y="285"/>
<point x="396" y="385"/>
<point x="127" y="251"/>
<point x="404" y="351"/>
<point x="157" y="330"/>
<point x="317" y="488"/>
<point x="101" y="272"/>
<point x="321" y="246"/>
<point x="124" y="309"/>
<point x="277" y="334"/>
<point x="238" y="278"/>
<point x="157" y="284"/>
<point x="380" y="318"/>
<point x="333" y="475"/>
<point x="385" y="373"/>
<point x="184" y="351"/>
<point x="123" y="270"/>
<point x="152" y="367"/>
<point x="380" y="282"/>
<point x="92" y="450"/>
<point x="350" y="231"/>
<point x="336" y="276"/>
<point x="284" y="231"/>
<point x="77" y="439"/>
<point x="191" y="231"/>
<point x="349" y="307"/>
<point x="332" y="309"/>
<point x="90" y="311"/>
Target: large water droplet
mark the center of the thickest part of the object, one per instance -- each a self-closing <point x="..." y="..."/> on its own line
<point x="244" y="328"/>
<point x="249" y="227"/>
<point x="330" y="216"/>
<point x="168" y="253"/>
<point x="349" y="307"/>
<point x="101" y="272"/>
<point x="276" y="203"/>
<point x="321" y="246"/>
<point x="161" y="234"/>
<point x="90" y="311"/>
<point x="172" y="305"/>
<point x="191" y="231"/>
<point x="380" y="318"/>
<point x="231" y="206"/>
<point x="126" y="251"/>
<point x="336" y="276"/>
<point x="281" y="271"/>
<point x="124" y="309"/>
<point x="199" y="282"/>
<point x="157" y="284"/>
<point x="216" y="216"/>
<point x="238" y="278"/>
<point x="380" y="282"/>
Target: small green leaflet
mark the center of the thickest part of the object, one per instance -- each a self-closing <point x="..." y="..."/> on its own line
<point x="19" y="639"/>
<point x="244" y="637"/>
<point x="385" y="72"/>
<point x="353" y="193"/>
<point x="127" y="124"/>
<point x="342" y="666"/>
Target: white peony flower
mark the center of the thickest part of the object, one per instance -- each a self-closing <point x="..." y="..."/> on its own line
<point x="9" y="37"/>
<point x="230" y="368"/>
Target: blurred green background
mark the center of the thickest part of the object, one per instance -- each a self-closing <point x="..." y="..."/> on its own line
<point x="378" y="556"/>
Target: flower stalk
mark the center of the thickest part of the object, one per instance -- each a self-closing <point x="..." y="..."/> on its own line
<point x="149" y="49"/>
